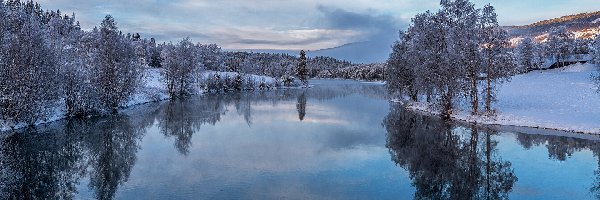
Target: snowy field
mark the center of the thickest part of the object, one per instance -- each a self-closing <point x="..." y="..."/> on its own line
<point x="560" y="99"/>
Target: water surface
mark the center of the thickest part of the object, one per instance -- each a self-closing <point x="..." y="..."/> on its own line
<point x="338" y="140"/>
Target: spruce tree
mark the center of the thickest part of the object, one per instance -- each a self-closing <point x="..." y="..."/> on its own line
<point x="301" y="70"/>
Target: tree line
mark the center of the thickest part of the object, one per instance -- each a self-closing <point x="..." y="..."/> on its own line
<point x="49" y="65"/>
<point x="556" y="49"/>
<point x="460" y="54"/>
<point x="444" y="55"/>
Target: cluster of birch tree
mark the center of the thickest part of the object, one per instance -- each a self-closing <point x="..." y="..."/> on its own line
<point x="457" y="53"/>
<point x="555" y="50"/>
<point x="45" y="57"/>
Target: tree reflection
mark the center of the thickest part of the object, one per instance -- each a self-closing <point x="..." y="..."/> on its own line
<point x="301" y="106"/>
<point x="112" y="144"/>
<point x="48" y="163"/>
<point x="35" y="167"/>
<point x="175" y="121"/>
<point x="446" y="161"/>
<point x="561" y="148"/>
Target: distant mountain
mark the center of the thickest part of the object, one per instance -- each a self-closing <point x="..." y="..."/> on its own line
<point x="357" y="53"/>
<point x="584" y="25"/>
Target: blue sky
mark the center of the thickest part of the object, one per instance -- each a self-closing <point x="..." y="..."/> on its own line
<point x="289" y="24"/>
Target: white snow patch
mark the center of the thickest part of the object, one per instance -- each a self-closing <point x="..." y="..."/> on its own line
<point x="374" y="82"/>
<point x="265" y="79"/>
<point x="152" y="90"/>
<point x="560" y="99"/>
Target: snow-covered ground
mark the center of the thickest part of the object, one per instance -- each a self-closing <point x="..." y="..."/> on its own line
<point x="152" y="90"/>
<point x="265" y="79"/>
<point x="560" y="99"/>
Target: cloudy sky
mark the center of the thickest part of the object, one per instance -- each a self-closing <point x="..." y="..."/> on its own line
<point x="288" y="24"/>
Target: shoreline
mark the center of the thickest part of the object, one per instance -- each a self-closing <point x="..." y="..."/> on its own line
<point x="510" y="125"/>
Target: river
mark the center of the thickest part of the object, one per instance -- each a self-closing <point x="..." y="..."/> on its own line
<point x="337" y="140"/>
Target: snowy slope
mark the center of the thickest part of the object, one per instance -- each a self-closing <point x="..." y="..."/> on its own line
<point x="560" y="99"/>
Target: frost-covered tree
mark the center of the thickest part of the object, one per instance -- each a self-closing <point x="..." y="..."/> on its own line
<point x="596" y="50"/>
<point x="153" y="55"/>
<point x="528" y="56"/>
<point x="581" y="46"/>
<point x="210" y="54"/>
<point x="73" y="49"/>
<point x="117" y="68"/>
<point x="28" y="67"/>
<point x="596" y="59"/>
<point x="399" y="72"/>
<point x="181" y="67"/>
<point x="458" y="21"/>
<point x="461" y="19"/>
<point x="444" y="55"/>
<point x="301" y="68"/>
<point x="559" y="44"/>
<point x="497" y="60"/>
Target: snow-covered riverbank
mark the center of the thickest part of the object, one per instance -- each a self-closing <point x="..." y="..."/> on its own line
<point x="559" y="99"/>
<point x="152" y="90"/>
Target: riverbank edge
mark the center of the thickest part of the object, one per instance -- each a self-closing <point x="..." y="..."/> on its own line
<point x="426" y="109"/>
<point x="59" y="115"/>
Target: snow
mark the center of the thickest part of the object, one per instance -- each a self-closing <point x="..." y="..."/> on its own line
<point x="374" y="82"/>
<point x="516" y="41"/>
<point x="152" y="90"/>
<point x="266" y="79"/>
<point x="560" y="99"/>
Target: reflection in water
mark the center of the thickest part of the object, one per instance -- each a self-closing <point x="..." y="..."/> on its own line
<point x="175" y="121"/>
<point x="445" y="161"/>
<point x="457" y="161"/>
<point x="36" y="168"/>
<point x="301" y="106"/>
<point x="48" y="163"/>
<point x="113" y="144"/>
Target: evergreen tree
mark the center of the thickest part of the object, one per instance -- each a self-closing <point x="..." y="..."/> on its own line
<point x="301" y="68"/>
<point x="559" y="45"/>
<point x="596" y="51"/>
<point x="527" y="56"/>
<point x="154" y="54"/>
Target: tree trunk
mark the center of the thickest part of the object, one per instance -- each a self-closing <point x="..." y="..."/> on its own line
<point x="488" y="166"/>
<point x="429" y="95"/>
<point x="447" y="105"/>
<point x="474" y="93"/>
<point x="488" y="99"/>
<point x="473" y="159"/>
<point x="414" y="94"/>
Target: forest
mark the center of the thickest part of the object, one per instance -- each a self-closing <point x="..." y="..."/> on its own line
<point x="460" y="54"/>
<point x="51" y="66"/>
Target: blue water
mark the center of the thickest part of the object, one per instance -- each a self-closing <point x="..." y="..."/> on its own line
<point x="337" y="140"/>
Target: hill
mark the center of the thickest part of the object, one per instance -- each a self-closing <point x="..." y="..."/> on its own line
<point x="584" y="25"/>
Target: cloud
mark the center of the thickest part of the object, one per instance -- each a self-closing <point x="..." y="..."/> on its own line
<point x="378" y="26"/>
<point x="233" y="24"/>
<point x="261" y="38"/>
<point x="288" y="24"/>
